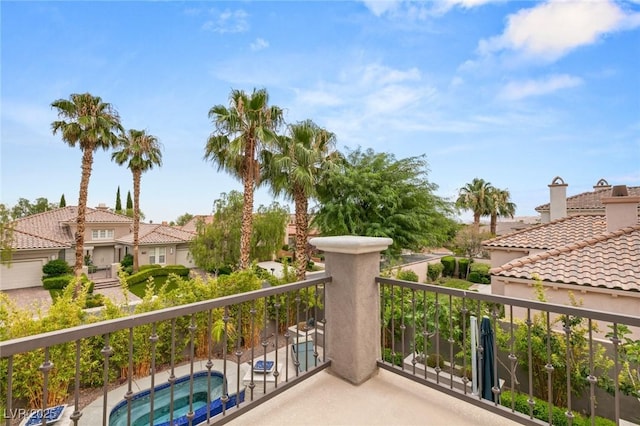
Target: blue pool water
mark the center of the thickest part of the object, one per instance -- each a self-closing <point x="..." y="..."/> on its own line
<point x="162" y="396"/>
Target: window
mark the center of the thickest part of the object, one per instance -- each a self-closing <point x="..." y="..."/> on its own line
<point x="157" y="255"/>
<point x="102" y="234"/>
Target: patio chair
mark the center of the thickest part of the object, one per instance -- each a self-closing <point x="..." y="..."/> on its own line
<point x="302" y="353"/>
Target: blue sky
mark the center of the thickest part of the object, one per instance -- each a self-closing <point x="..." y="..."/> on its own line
<point x="512" y="92"/>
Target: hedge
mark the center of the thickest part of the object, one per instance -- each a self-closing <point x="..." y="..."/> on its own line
<point x="60" y="282"/>
<point x="449" y="263"/>
<point x="157" y="271"/>
<point x="152" y="266"/>
<point x="407" y="275"/>
<point x="434" y="270"/>
<point x="56" y="268"/>
<point x="541" y="411"/>
<point x="463" y="264"/>
<point x="479" y="273"/>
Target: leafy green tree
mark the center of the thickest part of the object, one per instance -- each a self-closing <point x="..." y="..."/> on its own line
<point x="241" y="132"/>
<point x="268" y="231"/>
<point x="26" y="208"/>
<point x="141" y="152"/>
<point x="500" y="206"/>
<point x="184" y="219"/>
<point x="376" y="195"/>
<point x="294" y="167"/>
<point x="87" y="121"/>
<point x="118" y="208"/>
<point x="6" y="234"/>
<point x="63" y="202"/>
<point x="129" y="210"/>
<point x="475" y="196"/>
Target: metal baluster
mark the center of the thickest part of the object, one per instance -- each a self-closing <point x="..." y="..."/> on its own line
<point x="549" y="368"/>
<point x="393" y="323"/>
<point x="76" y="394"/>
<point x="616" y="371"/>
<point x="496" y="383"/>
<point x="403" y="328"/>
<point x="287" y="336"/>
<point x="513" y="359"/>
<point x="45" y="368"/>
<point x="172" y="376"/>
<point x="209" y="363"/>
<point x="296" y="361"/>
<point x="425" y="333"/>
<point x="567" y="331"/>
<point x="413" y="336"/>
<point x="591" y="378"/>
<point x="437" y="337"/>
<point x="451" y="341"/>
<point x="153" y="339"/>
<point x="253" y="313"/>
<point x="224" y="399"/>
<point x="265" y="343"/>
<point x="480" y="354"/>
<point x="530" y="401"/>
<point x="239" y="352"/>
<point x="464" y="311"/>
<point x="315" y="326"/>
<point x="129" y="394"/>
<point x="9" y="390"/>
<point x="192" y="346"/>
<point x="324" y="323"/>
<point x="276" y="305"/>
<point x="106" y="351"/>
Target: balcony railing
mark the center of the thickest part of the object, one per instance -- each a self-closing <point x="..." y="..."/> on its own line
<point x="361" y="322"/>
<point x="249" y="327"/>
<point x="534" y="351"/>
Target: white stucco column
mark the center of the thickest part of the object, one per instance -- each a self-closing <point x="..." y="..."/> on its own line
<point x="352" y="305"/>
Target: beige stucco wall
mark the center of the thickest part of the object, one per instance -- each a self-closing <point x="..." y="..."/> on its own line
<point x="501" y="256"/>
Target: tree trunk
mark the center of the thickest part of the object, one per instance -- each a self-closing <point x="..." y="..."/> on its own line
<point x="248" y="180"/>
<point x="136" y="217"/>
<point x="302" y="258"/>
<point x="476" y="222"/>
<point x="87" y="162"/>
<point x="494" y="223"/>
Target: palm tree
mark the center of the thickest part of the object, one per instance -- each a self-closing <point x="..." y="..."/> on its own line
<point x="500" y="205"/>
<point x="475" y="196"/>
<point x="142" y="151"/>
<point x="86" y="121"/>
<point x="241" y="133"/>
<point x="293" y="169"/>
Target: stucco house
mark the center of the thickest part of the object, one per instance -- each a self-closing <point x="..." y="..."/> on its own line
<point x="42" y="237"/>
<point x="590" y="248"/>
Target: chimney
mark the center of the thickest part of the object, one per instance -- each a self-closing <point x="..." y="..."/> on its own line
<point x="558" y="199"/>
<point x="102" y="206"/>
<point x="620" y="208"/>
<point x="601" y="184"/>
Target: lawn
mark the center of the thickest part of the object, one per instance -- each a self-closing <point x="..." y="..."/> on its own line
<point x="140" y="288"/>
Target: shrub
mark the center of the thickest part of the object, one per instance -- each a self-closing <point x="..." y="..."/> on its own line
<point x="483" y="268"/>
<point x="479" y="273"/>
<point x="463" y="264"/>
<point x="127" y="261"/>
<point x="407" y="276"/>
<point x="434" y="270"/>
<point x="395" y="360"/>
<point x="449" y="264"/>
<point x="145" y="267"/>
<point x="56" y="268"/>
<point x="157" y="271"/>
<point x="61" y="282"/>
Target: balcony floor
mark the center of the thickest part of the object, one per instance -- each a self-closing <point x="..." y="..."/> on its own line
<point x="386" y="399"/>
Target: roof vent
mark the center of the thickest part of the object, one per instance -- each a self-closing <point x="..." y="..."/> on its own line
<point x="619" y="191"/>
<point x="602" y="184"/>
<point x="557" y="181"/>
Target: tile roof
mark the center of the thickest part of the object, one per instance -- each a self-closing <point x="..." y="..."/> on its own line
<point x="159" y="234"/>
<point x="589" y="200"/>
<point x="31" y="232"/>
<point x="610" y="260"/>
<point x="192" y="225"/>
<point x="554" y="234"/>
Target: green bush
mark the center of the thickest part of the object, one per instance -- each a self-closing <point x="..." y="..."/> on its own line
<point x="449" y="264"/>
<point x="127" y="261"/>
<point x="541" y="411"/>
<point x="56" y="268"/>
<point x="61" y="282"/>
<point x="157" y="271"/>
<point x="479" y="273"/>
<point x="145" y="267"/>
<point x="434" y="270"/>
<point x="395" y="360"/>
<point x="407" y="276"/>
<point x="463" y="264"/>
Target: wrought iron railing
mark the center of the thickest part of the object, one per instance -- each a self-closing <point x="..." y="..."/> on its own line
<point x="564" y="355"/>
<point x="251" y="327"/>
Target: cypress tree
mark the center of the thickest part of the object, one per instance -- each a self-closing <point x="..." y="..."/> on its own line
<point x="63" y="202"/>
<point x="129" y="201"/>
<point x="118" y="202"/>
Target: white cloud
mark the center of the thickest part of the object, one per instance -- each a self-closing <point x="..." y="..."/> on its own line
<point x="418" y="10"/>
<point x="259" y="44"/>
<point x="381" y="75"/>
<point x="553" y="29"/>
<point x="227" y="22"/>
<point x="523" y="89"/>
<point x="380" y="7"/>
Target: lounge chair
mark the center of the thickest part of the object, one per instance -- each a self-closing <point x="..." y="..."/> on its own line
<point x="302" y="352"/>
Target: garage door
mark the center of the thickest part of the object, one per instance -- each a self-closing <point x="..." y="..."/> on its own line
<point x="21" y="274"/>
<point x="183" y="258"/>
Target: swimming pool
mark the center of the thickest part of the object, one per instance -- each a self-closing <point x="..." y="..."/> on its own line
<point x="162" y="397"/>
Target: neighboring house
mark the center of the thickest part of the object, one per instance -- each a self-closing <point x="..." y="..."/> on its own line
<point x="594" y="256"/>
<point x="49" y="235"/>
<point x="290" y="235"/>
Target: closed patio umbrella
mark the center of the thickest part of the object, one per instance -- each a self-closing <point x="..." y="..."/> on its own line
<point x="487" y="361"/>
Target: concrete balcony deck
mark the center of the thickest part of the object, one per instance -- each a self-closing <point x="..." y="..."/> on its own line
<point x="385" y="399"/>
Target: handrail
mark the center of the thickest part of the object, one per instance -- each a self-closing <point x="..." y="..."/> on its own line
<point x="29" y="343"/>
